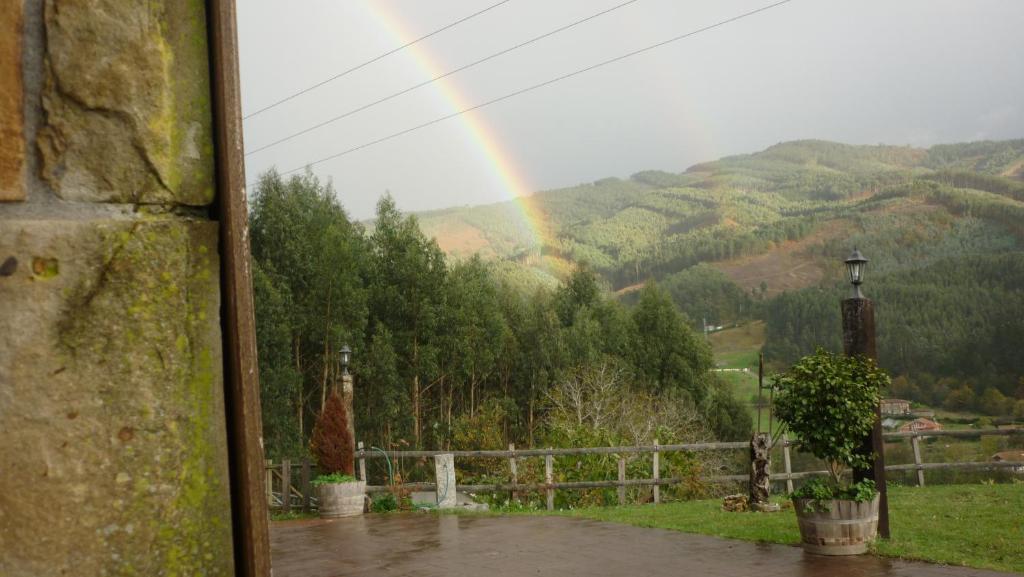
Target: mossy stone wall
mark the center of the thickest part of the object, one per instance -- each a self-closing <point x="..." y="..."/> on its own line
<point x="113" y="458"/>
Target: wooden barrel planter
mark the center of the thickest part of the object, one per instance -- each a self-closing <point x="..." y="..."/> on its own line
<point x="845" y="528"/>
<point x="341" y="499"/>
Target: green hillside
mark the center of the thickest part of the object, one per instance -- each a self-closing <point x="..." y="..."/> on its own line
<point x="762" y="236"/>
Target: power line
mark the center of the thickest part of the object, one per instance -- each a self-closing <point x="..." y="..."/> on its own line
<point x="436" y="78"/>
<point x="541" y="85"/>
<point x="372" y="60"/>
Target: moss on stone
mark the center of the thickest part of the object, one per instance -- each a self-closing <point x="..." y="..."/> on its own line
<point x="144" y="319"/>
<point x="127" y="100"/>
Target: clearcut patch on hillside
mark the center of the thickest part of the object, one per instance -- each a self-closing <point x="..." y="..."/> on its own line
<point x="461" y="240"/>
<point x="787" y="267"/>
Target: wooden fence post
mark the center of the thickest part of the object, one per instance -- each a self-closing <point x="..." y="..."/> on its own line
<point x="622" y="481"/>
<point x="362" y="463"/>
<point x="286" y="486"/>
<point x="549" y="477"/>
<point x="268" y="466"/>
<point x="304" y="485"/>
<point x="513" y="470"/>
<point x="656" y="474"/>
<point x="787" y="463"/>
<point x="917" y="460"/>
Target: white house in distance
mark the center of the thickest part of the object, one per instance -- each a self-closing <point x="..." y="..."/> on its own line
<point x="895" y="407"/>
<point x="921" y="424"/>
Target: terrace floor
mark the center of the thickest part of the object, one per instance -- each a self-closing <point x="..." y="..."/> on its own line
<point x="423" y="545"/>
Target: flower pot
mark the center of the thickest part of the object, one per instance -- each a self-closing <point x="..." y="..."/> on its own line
<point x="845" y="528"/>
<point x="341" y="499"/>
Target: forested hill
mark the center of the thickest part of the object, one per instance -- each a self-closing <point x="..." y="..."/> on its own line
<point x="763" y="235"/>
<point x="656" y="223"/>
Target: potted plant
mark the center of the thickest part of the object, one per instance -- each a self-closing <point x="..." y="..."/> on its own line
<point x="338" y="491"/>
<point x="829" y="402"/>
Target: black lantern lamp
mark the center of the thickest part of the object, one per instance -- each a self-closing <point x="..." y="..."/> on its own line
<point x="855" y="265"/>
<point x="346" y="356"/>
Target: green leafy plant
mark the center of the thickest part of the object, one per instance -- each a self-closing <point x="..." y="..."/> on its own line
<point x="829" y="401"/>
<point x="820" y="492"/>
<point x="384" y="503"/>
<point x="331" y="479"/>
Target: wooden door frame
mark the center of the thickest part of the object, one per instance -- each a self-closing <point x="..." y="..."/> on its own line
<point x="250" y="519"/>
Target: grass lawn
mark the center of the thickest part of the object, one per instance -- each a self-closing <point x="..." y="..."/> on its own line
<point x="738" y="348"/>
<point x="744" y="385"/>
<point x="974" y="525"/>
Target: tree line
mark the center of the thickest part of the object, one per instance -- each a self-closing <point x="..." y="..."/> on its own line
<point x="950" y="332"/>
<point x="438" y="342"/>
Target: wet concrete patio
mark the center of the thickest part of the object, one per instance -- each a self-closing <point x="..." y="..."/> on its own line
<point x="425" y="545"/>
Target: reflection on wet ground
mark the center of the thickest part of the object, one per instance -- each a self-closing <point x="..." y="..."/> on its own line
<point x="425" y="545"/>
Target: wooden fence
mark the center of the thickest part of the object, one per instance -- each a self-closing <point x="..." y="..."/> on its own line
<point x="296" y="476"/>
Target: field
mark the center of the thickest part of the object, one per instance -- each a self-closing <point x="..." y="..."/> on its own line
<point x="973" y="525"/>
<point x="737" y="348"/>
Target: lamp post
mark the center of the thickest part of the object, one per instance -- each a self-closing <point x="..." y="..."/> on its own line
<point x="859" y="339"/>
<point x="855" y="266"/>
<point x="346" y="356"/>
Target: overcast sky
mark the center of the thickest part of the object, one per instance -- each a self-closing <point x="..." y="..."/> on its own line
<point x="915" y="72"/>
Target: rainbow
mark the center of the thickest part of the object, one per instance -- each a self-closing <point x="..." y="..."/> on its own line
<point x="485" y="143"/>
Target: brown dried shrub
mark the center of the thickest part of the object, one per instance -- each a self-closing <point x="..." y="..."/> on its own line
<point x="331" y="443"/>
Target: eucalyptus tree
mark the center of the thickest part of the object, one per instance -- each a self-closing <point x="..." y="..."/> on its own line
<point x="313" y="257"/>
<point x="407" y="272"/>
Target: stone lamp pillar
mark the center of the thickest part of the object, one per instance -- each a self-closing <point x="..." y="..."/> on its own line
<point x="347" y="394"/>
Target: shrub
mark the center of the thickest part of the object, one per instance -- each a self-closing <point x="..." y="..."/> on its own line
<point x="829" y="402"/>
<point x="384" y="503"/>
<point x="331" y="479"/>
<point x="332" y="444"/>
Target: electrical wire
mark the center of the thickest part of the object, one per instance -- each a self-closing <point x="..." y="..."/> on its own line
<point x="372" y="60"/>
<point x="436" y="78"/>
<point x="536" y="86"/>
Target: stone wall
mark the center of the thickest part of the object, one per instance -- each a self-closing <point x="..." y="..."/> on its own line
<point x="113" y="455"/>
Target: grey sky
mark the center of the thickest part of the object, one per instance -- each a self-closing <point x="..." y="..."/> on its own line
<point x="915" y="72"/>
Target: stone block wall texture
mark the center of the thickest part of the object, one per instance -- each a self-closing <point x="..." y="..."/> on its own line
<point x="114" y="458"/>
<point x="12" y="144"/>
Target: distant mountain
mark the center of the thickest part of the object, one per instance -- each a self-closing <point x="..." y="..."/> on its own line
<point x="783" y="216"/>
<point x="763" y="236"/>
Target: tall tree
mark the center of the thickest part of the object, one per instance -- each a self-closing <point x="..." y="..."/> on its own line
<point x="474" y="328"/>
<point x="668" y="355"/>
<point x="406" y="295"/>
<point x="381" y="401"/>
<point x="304" y="242"/>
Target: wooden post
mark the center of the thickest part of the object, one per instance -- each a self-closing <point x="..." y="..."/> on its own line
<point x="549" y="477"/>
<point x="249" y="518"/>
<point x="513" y="470"/>
<point x="268" y="467"/>
<point x="786" y="462"/>
<point x="362" y="464"/>
<point x="286" y="486"/>
<point x="622" y="481"/>
<point x="656" y="472"/>
<point x="304" y="485"/>
<point x="917" y="460"/>
<point x="859" y="339"/>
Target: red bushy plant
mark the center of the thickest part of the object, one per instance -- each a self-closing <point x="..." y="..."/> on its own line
<point x="331" y="443"/>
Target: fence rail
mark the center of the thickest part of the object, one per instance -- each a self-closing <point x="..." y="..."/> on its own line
<point x="300" y="495"/>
